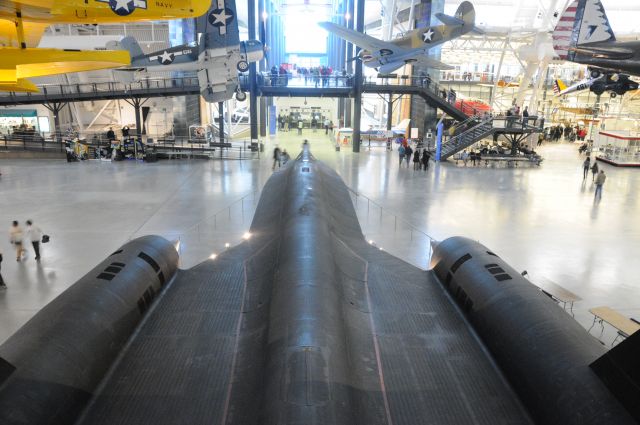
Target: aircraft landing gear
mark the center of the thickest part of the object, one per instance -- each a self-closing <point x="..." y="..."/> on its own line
<point x="243" y="66"/>
<point x="613" y="94"/>
<point x="595" y="73"/>
<point x="240" y="95"/>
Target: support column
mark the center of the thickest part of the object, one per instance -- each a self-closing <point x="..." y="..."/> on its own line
<point x="263" y="116"/>
<point x="389" y="111"/>
<point x="136" y="108"/>
<point x="253" y="89"/>
<point x="357" y="83"/>
<point x="55" y="109"/>
<point x="221" y="121"/>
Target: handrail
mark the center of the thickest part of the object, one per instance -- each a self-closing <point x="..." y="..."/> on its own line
<point x="412" y="228"/>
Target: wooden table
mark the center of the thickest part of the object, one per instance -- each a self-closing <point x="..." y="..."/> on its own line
<point x="558" y="293"/>
<point x="621" y="323"/>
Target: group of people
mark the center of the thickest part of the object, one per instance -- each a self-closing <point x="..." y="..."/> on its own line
<point x="18" y="237"/>
<point x="320" y="75"/>
<point x="279" y="76"/>
<point x="280" y="157"/>
<point x="598" y="178"/>
<point x="407" y="154"/>
<point x="569" y="132"/>
<point x="288" y="123"/>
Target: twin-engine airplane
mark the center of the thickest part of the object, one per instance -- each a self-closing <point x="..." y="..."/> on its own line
<point x="583" y="35"/>
<point x="387" y="56"/>
<point x="616" y="84"/>
<point x="216" y="57"/>
<point x="22" y="24"/>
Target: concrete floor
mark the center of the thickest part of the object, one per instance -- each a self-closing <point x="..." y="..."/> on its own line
<point x="542" y="219"/>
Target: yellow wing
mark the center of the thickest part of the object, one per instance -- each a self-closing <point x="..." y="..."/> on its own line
<point x="32" y="32"/>
<point x="101" y="11"/>
<point x="19" y="86"/>
<point x="19" y="64"/>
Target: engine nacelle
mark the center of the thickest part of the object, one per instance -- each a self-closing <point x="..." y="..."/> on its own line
<point x="251" y="50"/>
<point x="543" y="352"/>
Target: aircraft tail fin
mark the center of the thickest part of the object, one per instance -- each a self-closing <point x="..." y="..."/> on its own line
<point x="558" y="86"/>
<point x="582" y="22"/>
<point x="219" y="25"/>
<point x="619" y="370"/>
<point x="465" y="16"/>
<point x="131" y="45"/>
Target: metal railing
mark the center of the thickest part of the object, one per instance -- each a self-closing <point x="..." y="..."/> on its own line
<point x="32" y="142"/>
<point x="98" y="89"/>
<point x="397" y="220"/>
<point x="425" y="83"/>
<point x="266" y="79"/>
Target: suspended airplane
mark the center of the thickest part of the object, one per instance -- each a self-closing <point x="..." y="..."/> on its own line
<point x="22" y="24"/>
<point x="616" y="84"/>
<point x="216" y="57"/>
<point x="583" y="35"/>
<point x="387" y="56"/>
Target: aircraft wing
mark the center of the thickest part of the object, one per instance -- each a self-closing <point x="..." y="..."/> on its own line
<point x="432" y="63"/>
<point x="371" y="44"/>
<point x="19" y="64"/>
<point x="100" y="11"/>
<point x="606" y="52"/>
<point x="32" y="30"/>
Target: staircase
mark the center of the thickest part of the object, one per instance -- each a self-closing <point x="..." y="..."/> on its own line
<point x="478" y="130"/>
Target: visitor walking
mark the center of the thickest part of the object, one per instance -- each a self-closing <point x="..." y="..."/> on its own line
<point x="300" y="125"/>
<point x="594" y="170"/>
<point x="15" y="237"/>
<point x="585" y="167"/>
<point x="285" y="157"/>
<point x="416" y="160"/>
<point x="599" y="183"/>
<point x="2" y="284"/>
<point x="326" y="125"/>
<point x="276" y="158"/>
<point x="35" y="234"/>
<point x="407" y="154"/>
<point x="401" y="154"/>
<point x="465" y="157"/>
<point x="425" y="159"/>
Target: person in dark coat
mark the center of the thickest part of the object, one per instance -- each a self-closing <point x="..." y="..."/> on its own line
<point x="416" y="160"/>
<point x="425" y="159"/>
<point x="2" y="284"/>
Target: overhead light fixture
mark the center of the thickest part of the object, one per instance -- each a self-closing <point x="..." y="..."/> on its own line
<point x="227" y="245"/>
<point x="213" y="256"/>
<point x="347" y="16"/>
<point x="246" y="236"/>
<point x="264" y="15"/>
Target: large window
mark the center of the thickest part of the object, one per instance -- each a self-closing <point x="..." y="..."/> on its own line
<point x="302" y="33"/>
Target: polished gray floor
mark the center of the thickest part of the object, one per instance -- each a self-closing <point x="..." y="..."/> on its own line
<point x="542" y="219"/>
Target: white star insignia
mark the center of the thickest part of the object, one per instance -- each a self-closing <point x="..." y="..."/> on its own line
<point x="427" y="35"/>
<point x="221" y="18"/>
<point x="122" y="4"/>
<point x="165" y="57"/>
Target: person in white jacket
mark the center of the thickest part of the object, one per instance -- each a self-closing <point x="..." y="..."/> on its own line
<point x="15" y="237"/>
<point x="35" y="234"/>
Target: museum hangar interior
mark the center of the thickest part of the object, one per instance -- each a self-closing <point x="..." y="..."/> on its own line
<point x="319" y="212"/>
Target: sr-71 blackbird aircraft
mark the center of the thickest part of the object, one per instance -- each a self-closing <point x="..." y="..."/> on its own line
<point x="583" y="35"/>
<point x="414" y="46"/>
<point x="217" y="56"/>
<point x="22" y="24"/>
<point x="306" y="323"/>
